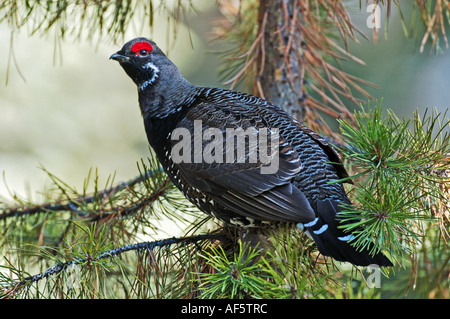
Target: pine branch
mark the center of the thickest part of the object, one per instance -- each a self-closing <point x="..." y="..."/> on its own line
<point x="432" y="16"/>
<point x="402" y="169"/>
<point x="299" y="74"/>
<point x="139" y="247"/>
<point x="86" y="19"/>
<point x="74" y="203"/>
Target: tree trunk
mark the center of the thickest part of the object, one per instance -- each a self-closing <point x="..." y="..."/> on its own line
<point x="280" y="79"/>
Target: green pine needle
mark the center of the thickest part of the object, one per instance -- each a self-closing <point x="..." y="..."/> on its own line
<point x="241" y="276"/>
<point x="400" y="167"/>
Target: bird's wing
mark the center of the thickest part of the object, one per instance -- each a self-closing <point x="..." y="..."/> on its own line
<point x="331" y="152"/>
<point x="248" y="188"/>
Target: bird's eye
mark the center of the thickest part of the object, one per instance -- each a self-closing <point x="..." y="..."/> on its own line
<point x="143" y="52"/>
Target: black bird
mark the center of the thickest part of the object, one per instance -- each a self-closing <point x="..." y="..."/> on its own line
<point x="235" y="188"/>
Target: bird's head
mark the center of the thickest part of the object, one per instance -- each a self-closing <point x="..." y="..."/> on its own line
<point x="142" y="60"/>
<point x="162" y="88"/>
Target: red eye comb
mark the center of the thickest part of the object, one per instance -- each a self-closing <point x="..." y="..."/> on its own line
<point x="138" y="46"/>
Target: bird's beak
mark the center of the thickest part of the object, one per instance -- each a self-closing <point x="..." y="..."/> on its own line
<point x="119" y="57"/>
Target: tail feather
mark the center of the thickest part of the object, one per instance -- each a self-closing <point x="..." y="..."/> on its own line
<point x="333" y="242"/>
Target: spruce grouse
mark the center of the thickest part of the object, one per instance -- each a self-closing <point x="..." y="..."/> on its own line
<point x="222" y="173"/>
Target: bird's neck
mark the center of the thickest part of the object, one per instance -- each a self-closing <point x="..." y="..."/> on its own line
<point x="167" y="95"/>
<point x="158" y="131"/>
<point x="163" y="105"/>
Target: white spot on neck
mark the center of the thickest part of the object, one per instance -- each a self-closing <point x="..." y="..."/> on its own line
<point x="155" y="69"/>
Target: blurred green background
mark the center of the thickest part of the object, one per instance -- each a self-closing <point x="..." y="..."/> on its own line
<point x="77" y="110"/>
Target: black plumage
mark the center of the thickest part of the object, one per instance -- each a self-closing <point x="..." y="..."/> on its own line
<point x="301" y="191"/>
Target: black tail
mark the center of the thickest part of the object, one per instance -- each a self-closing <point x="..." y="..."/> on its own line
<point x="333" y="242"/>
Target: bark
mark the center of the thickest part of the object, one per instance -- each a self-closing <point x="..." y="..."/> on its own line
<point x="280" y="77"/>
